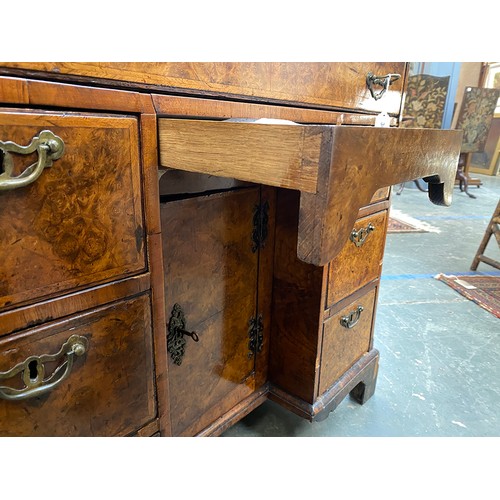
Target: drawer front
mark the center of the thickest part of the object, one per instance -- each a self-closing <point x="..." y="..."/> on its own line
<point x="323" y="162"/>
<point x="355" y="266"/>
<point x="109" y="389"/>
<point x="340" y="84"/>
<point x="380" y="195"/>
<point x="80" y="222"/>
<point x="335" y="84"/>
<point x="346" y="337"/>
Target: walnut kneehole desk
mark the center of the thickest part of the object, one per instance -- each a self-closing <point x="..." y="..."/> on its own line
<point x="170" y="260"/>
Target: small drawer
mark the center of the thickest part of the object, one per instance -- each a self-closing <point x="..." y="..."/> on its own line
<point x="380" y="195"/>
<point x="102" y="373"/>
<point x="346" y="337"/>
<point x="78" y="223"/>
<point x="360" y="260"/>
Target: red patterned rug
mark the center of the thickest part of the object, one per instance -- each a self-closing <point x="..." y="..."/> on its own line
<point x="398" y="226"/>
<point x="483" y="290"/>
<point x="400" y="222"/>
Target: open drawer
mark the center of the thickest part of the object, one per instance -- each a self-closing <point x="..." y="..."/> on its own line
<point x="337" y="169"/>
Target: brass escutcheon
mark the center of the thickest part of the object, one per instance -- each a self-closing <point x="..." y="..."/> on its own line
<point x="176" y="343"/>
<point x="32" y="370"/>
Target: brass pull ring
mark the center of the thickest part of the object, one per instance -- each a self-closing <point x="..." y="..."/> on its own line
<point x="49" y="147"/>
<point x="32" y="371"/>
<point x="351" y="320"/>
<point x="383" y="81"/>
<point x="359" y="237"/>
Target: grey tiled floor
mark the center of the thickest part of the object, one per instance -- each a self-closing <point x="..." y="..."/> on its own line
<point x="439" y="371"/>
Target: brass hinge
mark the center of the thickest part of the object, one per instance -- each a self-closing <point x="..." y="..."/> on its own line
<point x="260" y="225"/>
<point x="255" y="334"/>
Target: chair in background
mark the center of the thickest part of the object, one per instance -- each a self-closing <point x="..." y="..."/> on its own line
<point x="476" y="114"/>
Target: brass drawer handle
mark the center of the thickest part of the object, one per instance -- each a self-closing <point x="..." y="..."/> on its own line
<point x="359" y="237"/>
<point x="32" y="371"/>
<point x="383" y="81"/>
<point x="49" y="147"/>
<point x="176" y="331"/>
<point x="351" y="320"/>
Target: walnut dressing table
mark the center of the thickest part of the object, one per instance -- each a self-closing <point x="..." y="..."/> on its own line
<point x="181" y="241"/>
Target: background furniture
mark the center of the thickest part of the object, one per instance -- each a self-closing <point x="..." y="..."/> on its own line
<point x="493" y="228"/>
<point x="487" y="162"/>
<point x="476" y="114"/>
<point x="170" y="260"/>
<point x="424" y="105"/>
<point x="425" y="101"/>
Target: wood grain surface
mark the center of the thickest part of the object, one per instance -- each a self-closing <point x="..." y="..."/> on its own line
<point x="297" y="307"/>
<point x="110" y="390"/>
<point x="276" y="155"/>
<point x="361" y="161"/>
<point x="81" y="222"/>
<point x="343" y="346"/>
<point x="333" y="84"/>
<point x="337" y="169"/>
<point x="354" y="267"/>
<point x="211" y="272"/>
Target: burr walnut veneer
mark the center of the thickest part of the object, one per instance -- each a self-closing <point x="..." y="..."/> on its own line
<point x="181" y="241"/>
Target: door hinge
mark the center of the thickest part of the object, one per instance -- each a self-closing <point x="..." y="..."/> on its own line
<point x="260" y="225"/>
<point x="255" y="334"/>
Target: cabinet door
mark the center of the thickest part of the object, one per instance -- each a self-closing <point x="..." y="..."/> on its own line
<point x="211" y="271"/>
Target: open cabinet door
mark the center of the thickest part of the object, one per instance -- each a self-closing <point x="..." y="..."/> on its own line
<point x="211" y="263"/>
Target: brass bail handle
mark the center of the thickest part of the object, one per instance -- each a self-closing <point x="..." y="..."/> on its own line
<point x="382" y="81"/>
<point x="352" y="319"/>
<point x="32" y="371"/>
<point x="359" y="237"/>
<point x="49" y="147"/>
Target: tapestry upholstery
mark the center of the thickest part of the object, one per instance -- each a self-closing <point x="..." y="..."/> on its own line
<point x="476" y="113"/>
<point x="425" y="100"/>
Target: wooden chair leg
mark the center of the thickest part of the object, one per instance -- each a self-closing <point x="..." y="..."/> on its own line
<point x="462" y="174"/>
<point x="464" y="183"/>
<point x="400" y="189"/>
